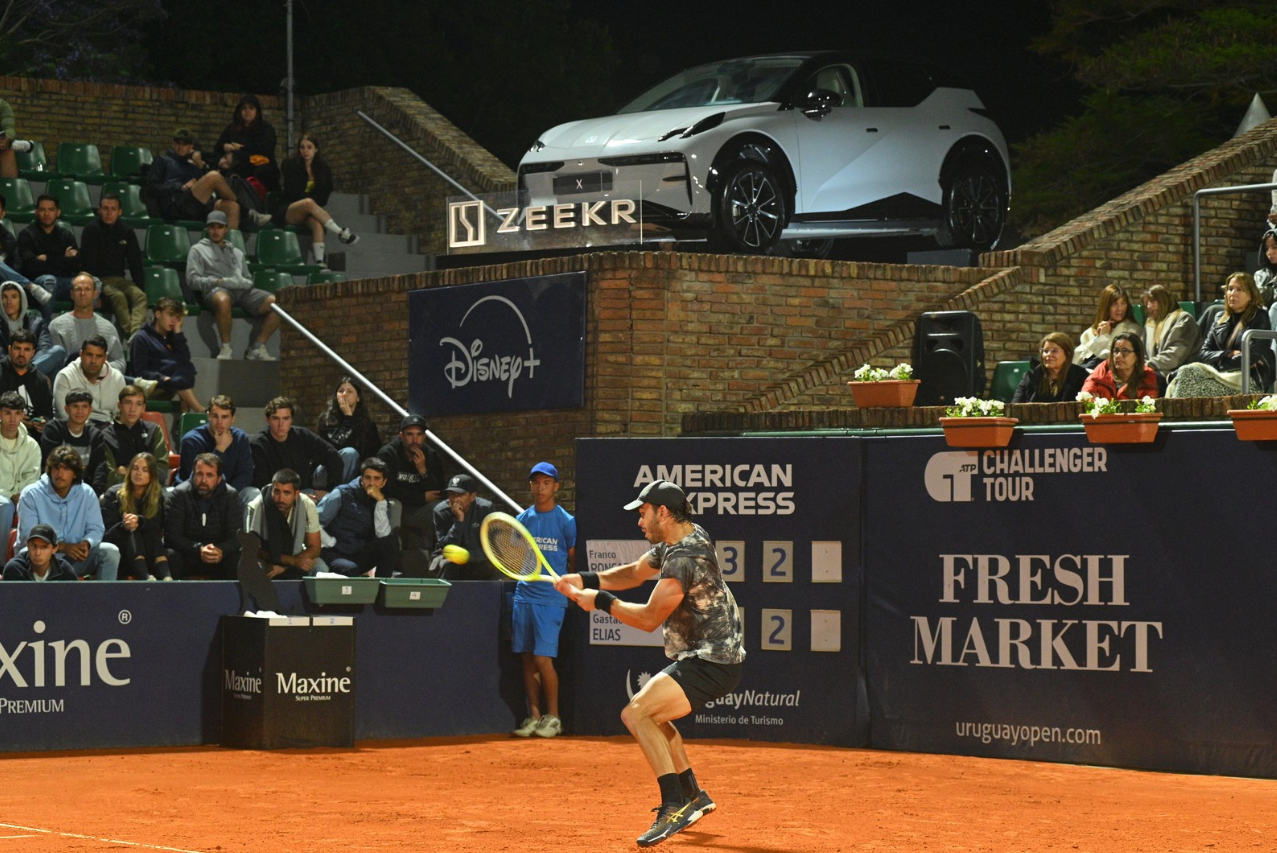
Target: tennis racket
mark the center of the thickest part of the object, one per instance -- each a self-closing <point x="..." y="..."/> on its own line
<point x="512" y="549"/>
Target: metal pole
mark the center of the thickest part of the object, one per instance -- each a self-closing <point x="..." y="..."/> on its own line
<point x="289" y="81"/>
<point x="389" y="401"/>
<point x="405" y="146"/>
<point x="1247" y="336"/>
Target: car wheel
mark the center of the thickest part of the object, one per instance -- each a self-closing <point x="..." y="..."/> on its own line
<point x="975" y="207"/>
<point x="751" y="209"/>
<point x="817" y="249"/>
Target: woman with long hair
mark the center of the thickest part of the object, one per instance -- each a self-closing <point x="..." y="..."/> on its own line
<point x="349" y="428"/>
<point x="1171" y="335"/>
<point x="308" y="182"/>
<point x="1057" y="379"/>
<point x="1112" y="318"/>
<point x="1124" y="375"/>
<point x="1218" y="370"/>
<point x="133" y="513"/>
<point x="252" y="135"/>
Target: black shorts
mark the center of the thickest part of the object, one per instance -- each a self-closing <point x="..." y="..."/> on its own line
<point x="704" y="681"/>
<point x="188" y="206"/>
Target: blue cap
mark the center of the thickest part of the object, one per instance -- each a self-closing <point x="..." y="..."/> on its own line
<point x="544" y="468"/>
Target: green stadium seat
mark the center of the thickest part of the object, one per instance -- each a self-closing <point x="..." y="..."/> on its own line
<point x="80" y="160"/>
<point x="235" y="237"/>
<point x="19" y="200"/>
<point x="1190" y="307"/>
<point x="272" y="280"/>
<point x="189" y="421"/>
<point x="128" y="161"/>
<point x="1006" y="378"/>
<point x="34" y="165"/>
<point x="167" y="245"/>
<point x="73" y="198"/>
<point x="280" y="249"/>
<point x="165" y="281"/>
<point x="132" y="206"/>
<point x="325" y="277"/>
<point x="1137" y="311"/>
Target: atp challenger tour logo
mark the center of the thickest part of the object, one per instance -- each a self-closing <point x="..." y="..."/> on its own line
<point x="958" y="476"/>
<point x="1007" y="588"/>
<point x="468" y="363"/>
<point x="736" y="489"/>
<point x="467" y="224"/>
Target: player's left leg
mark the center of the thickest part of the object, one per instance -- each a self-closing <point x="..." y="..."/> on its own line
<point x="661" y="700"/>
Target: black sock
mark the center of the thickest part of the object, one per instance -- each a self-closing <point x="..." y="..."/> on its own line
<point x="687" y="779"/>
<point x="671" y="794"/>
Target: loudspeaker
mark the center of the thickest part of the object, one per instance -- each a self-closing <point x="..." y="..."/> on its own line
<point x="948" y="357"/>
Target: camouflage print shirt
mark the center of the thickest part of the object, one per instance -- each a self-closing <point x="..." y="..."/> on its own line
<point x="706" y="623"/>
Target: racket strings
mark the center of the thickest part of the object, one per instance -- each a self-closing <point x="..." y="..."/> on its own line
<point x="512" y="551"/>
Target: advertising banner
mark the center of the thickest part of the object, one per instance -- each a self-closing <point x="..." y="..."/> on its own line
<point x="587" y="209"/>
<point x="784" y="517"/>
<point x="501" y="346"/>
<point x="1062" y="601"/>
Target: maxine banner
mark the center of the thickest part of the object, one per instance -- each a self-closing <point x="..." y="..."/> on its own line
<point x="498" y="346"/>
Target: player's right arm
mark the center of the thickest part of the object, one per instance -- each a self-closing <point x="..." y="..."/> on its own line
<point x="627" y="576"/>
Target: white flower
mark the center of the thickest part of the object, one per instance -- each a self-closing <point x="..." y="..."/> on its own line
<point x="1269" y="403"/>
<point x="902" y="371"/>
<point x="1084" y="396"/>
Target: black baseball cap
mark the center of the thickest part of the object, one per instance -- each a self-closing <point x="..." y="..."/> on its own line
<point x="659" y="493"/>
<point x="183" y="134"/>
<point x="461" y="484"/>
<point x="45" y="532"/>
<point x="412" y="421"/>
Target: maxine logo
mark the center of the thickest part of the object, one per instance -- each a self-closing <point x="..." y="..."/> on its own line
<point x="948" y="475"/>
<point x="469" y="363"/>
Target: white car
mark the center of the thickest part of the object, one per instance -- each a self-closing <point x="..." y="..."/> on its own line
<point x="797" y="147"/>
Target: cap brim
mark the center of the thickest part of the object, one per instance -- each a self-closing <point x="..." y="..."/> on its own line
<point x="456" y="491"/>
<point x="634" y="504"/>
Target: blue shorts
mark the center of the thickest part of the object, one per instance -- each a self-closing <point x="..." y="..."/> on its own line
<point x="536" y="628"/>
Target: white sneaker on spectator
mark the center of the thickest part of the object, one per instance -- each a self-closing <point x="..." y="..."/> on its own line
<point x="21" y="146"/>
<point x="147" y="385"/>
<point x="225" y="353"/>
<point x="550" y="726"/>
<point x="529" y="726"/>
<point x="348" y="237"/>
<point x="39" y="293"/>
<point x="259" y="219"/>
<point x="257" y="352"/>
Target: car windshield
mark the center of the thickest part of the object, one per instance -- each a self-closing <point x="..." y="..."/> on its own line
<point x="739" y="81"/>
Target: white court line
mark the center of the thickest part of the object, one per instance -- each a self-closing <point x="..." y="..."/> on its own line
<point x="91" y="838"/>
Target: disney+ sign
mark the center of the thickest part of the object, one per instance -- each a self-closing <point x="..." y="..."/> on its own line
<point x="501" y="346"/>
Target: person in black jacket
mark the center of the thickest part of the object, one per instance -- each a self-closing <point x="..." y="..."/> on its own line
<point x="109" y="248"/>
<point x="201" y="518"/>
<point x="50" y="255"/>
<point x="307" y="184"/>
<point x="416" y="481"/>
<point x="457" y="522"/>
<point x="11" y="266"/>
<point x="133" y="513"/>
<point x="347" y="427"/>
<point x="47" y="357"/>
<point x="282" y="445"/>
<point x="17" y="373"/>
<point x="40" y="561"/>
<point x="180" y="185"/>
<point x="251" y="134"/>
<point x="1057" y="379"/>
<point x="159" y="352"/>
<point x="1218" y="370"/>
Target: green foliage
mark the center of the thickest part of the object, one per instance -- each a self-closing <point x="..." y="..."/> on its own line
<point x="75" y="39"/>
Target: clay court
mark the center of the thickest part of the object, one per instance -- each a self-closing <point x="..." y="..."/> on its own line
<point x="573" y="795"/>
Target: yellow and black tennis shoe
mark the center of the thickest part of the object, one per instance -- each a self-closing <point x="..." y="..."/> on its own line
<point x="701" y="806"/>
<point x="669" y="820"/>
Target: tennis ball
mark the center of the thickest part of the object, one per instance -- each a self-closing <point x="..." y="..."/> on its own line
<point x="456" y="554"/>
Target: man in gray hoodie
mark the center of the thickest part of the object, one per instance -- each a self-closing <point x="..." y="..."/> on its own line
<point x="219" y="273"/>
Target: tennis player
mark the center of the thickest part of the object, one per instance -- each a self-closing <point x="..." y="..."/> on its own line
<point x="703" y="636"/>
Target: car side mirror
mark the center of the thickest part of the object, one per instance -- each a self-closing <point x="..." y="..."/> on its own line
<point x="819" y="102"/>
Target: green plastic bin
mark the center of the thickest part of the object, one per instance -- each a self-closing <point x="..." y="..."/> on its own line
<point x="341" y="590"/>
<point x="414" y="592"/>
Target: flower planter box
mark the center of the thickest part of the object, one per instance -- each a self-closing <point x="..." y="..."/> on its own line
<point x="1254" y="424"/>
<point x="888" y="392"/>
<point x="978" y="432"/>
<point x="1121" y="429"/>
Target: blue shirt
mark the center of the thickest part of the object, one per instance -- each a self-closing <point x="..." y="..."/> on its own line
<point x="555" y="534"/>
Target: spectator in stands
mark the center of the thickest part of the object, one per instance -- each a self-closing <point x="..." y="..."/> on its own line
<point x="252" y="135"/>
<point x="416" y="481"/>
<point x="11" y="261"/>
<point x="1112" y="318"/>
<point x="61" y="497"/>
<point x="284" y="525"/>
<point x="9" y="142"/>
<point x="19" y="457"/>
<point x="1171" y="335"/>
<point x="1218" y="371"/>
<point x="47" y="357"/>
<point x="1124" y="375"/>
<point x="282" y="445"/>
<point x="457" y="522"/>
<point x="18" y="375"/>
<point x="201" y="519"/>
<point x="76" y="432"/>
<point x="41" y="561"/>
<point x="109" y="248"/>
<point x="91" y="373"/>
<point x="308" y="182"/>
<point x="231" y="444"/>
<point x="159" y="352"/>
<point x="128" y="437"/>
<point x="1056" y="379"/>
<point x="219" y="272"/>
<point x="182" y="186"/>
<point x="49" y="253"/>
<point x="347" y="427"/>
<point x="356" y="515"/>
<point x="133" y="514"/>
<point x="72" y="329"/>
<point x="1266" y="271"/>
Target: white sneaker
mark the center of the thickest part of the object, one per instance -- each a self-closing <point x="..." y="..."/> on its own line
<point x="257" y="352"/>
<point x="528" y="727"/>
<point x="259" y="218"/>
<point x="225" y="354"/>
<point x="21" y="146"/>
<point x="41" y="295"/>
<point x="348" y="237"/>
<point x="549" y="726"/>
<point x="147" y="385"/>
